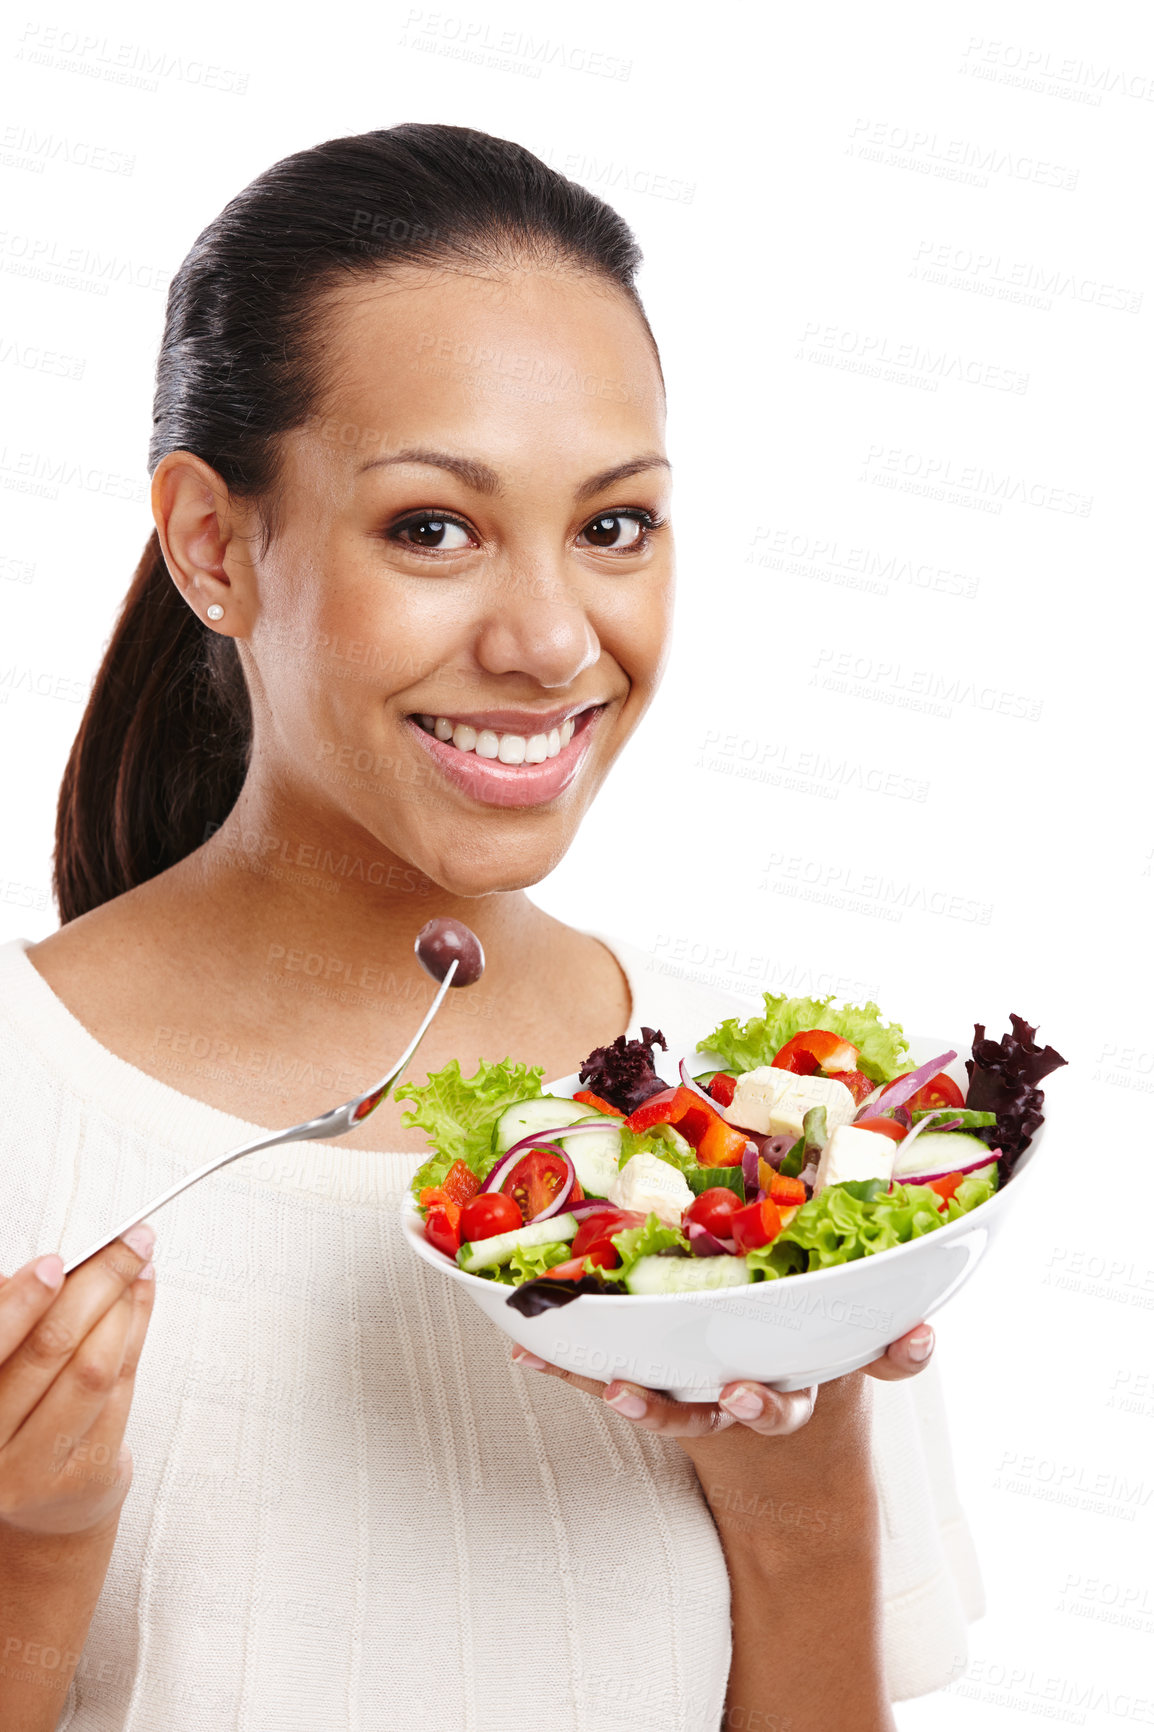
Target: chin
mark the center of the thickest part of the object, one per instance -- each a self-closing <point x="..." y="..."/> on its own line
<point x="488" y="870"/>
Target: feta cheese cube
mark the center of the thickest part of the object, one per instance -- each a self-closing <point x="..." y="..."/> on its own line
<point x="774" y="1102"/>
<point x="855" y="1154"/>
<point x="648" y="1183"/>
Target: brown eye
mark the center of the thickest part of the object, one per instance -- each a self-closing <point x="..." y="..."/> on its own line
<point x="607" y="531"/>
<point x="434" y="533"/>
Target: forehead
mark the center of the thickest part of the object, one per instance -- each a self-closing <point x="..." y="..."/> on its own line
<point x="522" y="368"/>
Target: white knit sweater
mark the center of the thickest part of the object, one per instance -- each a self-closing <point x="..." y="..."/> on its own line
<point x="351" y="1512"/>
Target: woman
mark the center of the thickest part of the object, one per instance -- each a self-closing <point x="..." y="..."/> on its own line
<point x="408" y="597"/>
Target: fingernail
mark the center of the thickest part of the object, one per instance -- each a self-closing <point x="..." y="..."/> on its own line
<point x="625" y="1402"/>
<point x="147" y="1273"/>
<point x="743" y="1404"/>
<point x="49" y="1270"/>
<point x="920" y="1346"/>
<point x="140" y="1239"/>
<point x="530" y="1361"/>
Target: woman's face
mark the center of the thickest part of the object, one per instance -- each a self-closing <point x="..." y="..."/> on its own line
<point x="464" y="610"/>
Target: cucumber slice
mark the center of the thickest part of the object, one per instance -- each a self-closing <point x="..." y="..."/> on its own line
<point x="541" y="1113"/>
<point x="488" y="1253"/>
<point x="594" y="1157"/>
<point x="686" y="1274"/>
<point x="938" y="1152"/>
<point x="970" y="1118"/>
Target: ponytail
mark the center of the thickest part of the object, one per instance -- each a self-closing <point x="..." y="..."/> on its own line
<point x="164" y="744"/>
<point x="162" y="748"/>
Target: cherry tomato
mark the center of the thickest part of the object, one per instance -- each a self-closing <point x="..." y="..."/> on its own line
<point x="940" y="1091"/>
<point x="814" y="1049"/>
<point x="604" y="1256"/>
<point x="535" y="1181"/>
<point x="714" y="1210"/>
<point x="722" y="1087"/>
<point x="858" y="1085"/>
<point x="460" y="1182"/>
<point x="488" y="1214"/>
<point x="756" y="1224"/>
<point x="882" y="1128"/>
<point x="442" y="1230"/>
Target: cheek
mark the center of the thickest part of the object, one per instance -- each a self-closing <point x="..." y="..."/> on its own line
<point x="636" y="630"/>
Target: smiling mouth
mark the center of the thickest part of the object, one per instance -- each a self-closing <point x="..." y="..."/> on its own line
<point x="497" y="766"/>
<point x="504" y="746"/>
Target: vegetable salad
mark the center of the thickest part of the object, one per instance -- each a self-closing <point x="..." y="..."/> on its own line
<point x="813" y="1141"/>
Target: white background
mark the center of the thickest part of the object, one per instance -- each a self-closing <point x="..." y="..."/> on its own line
<point x="898" y="264"/>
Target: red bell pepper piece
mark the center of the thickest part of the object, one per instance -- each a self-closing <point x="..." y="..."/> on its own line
<point x="945" y="1187"/>
<point x="816" y="1048"/>
<point x="589" y="1099"/>
<point x="460" y="1183"/>
<point x="718" y="1144"/>
<point x="787" y="1191"/>
<point x="654" y="1111"/>
<point x="722" y="1145"/>
<point x="755" y="1225"/>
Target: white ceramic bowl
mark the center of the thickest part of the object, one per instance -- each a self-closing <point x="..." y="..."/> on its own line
<point x="790" y="1333"/>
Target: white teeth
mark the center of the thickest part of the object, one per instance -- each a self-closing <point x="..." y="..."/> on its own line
<point x="508" y="748"/>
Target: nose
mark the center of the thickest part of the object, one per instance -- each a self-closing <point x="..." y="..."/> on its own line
<point x="537" y="625"/>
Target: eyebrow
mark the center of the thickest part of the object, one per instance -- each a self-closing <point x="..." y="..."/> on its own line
<point x="482" y="479"/>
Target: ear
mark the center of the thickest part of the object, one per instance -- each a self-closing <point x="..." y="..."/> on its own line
<point x="204" y="546"/>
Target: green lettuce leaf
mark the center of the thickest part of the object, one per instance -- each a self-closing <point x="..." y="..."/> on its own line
<point x="528" y="1261"/>
<point x="842" y="1224"/>
<point x="746" y="1045"/>
<point x="662" y="1141"/>
<point x="701" y="1179"/>
<point x="458" y="1113"/>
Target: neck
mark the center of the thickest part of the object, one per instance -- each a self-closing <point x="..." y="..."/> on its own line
<point x="275" y="880"/>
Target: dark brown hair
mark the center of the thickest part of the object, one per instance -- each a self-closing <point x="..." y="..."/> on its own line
<point x="163" y="746"/>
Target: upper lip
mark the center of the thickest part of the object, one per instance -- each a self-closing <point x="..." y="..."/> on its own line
<point x="526" y="722"/>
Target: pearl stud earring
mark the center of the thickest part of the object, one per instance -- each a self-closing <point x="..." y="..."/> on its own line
<point x="215" y="611"/>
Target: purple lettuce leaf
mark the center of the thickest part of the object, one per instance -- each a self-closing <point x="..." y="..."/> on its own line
<point x="623" y="1073"/>
<point x="1004" y="1076"/>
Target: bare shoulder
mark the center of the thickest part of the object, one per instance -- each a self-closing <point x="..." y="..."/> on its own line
<point x="103" y="960"/>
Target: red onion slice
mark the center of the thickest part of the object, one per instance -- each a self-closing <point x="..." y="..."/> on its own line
<point x="695" y="1086"/>
<point x="589" y="1206"/>
<point x="703" y="1243"/>
<point x="928" y="1124"/>
<point x="904" y="1087"/>
<point x="925" y="1178"/>
<point x="501" y="1172"/>
<point x="542" y="1140"/>
<point x="749" y="1162"/>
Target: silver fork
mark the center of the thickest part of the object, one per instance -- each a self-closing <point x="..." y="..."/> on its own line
<point x="332" y="1124"/>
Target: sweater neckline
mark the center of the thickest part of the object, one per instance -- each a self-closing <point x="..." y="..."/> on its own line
<point x="100" y="1080"/>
